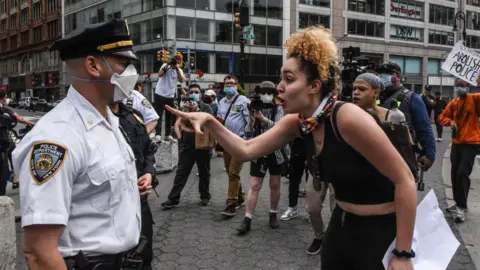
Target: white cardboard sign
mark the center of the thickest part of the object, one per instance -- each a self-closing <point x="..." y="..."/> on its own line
<point x="464" y="63"/>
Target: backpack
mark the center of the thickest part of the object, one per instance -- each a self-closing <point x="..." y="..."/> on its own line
<point x="7" y="122"/>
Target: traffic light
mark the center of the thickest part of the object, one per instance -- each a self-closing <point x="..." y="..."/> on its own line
<point x="192" y="61"/>
<point x="244" y="15"/>
<point x="236" y="20"/>
<point x="166" y="55"/>
<point x="160" y="55"/>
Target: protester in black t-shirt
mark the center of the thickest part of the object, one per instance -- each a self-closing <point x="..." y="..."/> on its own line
<point x="438" y="108"/>
<point x="428" y="99"/>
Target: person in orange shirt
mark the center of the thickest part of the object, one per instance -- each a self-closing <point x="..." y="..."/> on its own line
<point x="462" y="114"/>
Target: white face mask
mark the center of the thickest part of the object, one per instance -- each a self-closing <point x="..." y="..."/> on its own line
<point x="124" y="83"/>
<point x="266" y="98"/>
<point x="461" y="91"/>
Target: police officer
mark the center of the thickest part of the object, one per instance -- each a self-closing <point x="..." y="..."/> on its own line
<point x="144" y="149"/>
<point x="79" y="195"/>
<point x="140" y="103"/>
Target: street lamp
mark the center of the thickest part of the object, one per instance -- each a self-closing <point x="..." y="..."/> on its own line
<point x="460" y="15"/>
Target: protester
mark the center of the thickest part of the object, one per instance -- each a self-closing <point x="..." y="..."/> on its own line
<point x="438" y="108"/>
<point x="373" y="196"/>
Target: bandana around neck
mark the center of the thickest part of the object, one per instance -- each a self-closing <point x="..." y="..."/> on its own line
<point x="310" y="124"/>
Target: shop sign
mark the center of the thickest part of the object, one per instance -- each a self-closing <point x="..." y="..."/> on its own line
<point x="406" y="33"/>
<point x="3" y="87"/>
<point x="406" y="11"/>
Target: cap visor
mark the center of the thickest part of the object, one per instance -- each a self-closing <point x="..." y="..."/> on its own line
<point x="126" y="54"/>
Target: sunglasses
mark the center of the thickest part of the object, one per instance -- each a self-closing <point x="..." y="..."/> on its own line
<point x="194" y="92"/>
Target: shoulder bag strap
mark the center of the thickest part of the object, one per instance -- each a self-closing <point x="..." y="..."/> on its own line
<point x="230" y="108"/>
<point x="333" y="119"/>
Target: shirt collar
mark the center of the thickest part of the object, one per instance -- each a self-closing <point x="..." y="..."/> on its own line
<point x="90" y="115"/>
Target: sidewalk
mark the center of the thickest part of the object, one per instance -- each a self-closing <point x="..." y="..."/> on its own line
<point x="470" y="229"/>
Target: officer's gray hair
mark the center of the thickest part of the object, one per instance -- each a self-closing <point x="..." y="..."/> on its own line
<point x="372" y="79"/>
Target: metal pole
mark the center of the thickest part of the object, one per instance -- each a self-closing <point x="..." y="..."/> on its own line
<point x="64" y="66"/>
<point x="242" y="62"/>
<point x="188" y="67"/>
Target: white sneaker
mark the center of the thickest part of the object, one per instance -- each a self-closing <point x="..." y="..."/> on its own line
<point x="452" y="208"/>
<point x="440" y="139"/>
<point x="290" y="213"/>
<point x="459" y="215"/>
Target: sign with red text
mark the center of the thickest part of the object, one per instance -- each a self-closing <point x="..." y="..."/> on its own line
<point x="406" y="11"/>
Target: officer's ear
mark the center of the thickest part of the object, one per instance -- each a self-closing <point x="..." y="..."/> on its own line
<point x="93" y="66"/>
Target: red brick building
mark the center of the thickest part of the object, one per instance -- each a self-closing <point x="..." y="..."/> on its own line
<point x="27" y="29"/>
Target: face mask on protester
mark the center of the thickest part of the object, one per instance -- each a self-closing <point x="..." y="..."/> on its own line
<point x="266" y="98"/>
<point x="386" y="79"/>
<point x="461" y="91"/>
<point x="124" y="82"/>
<point x="230" y="91"/>
<point x="195" y="97"/>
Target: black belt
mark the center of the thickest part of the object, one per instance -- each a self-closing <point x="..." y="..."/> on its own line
<point x="82" y="262"/>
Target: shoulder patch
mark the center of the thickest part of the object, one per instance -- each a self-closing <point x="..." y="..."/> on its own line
<point x="45" y="161"/>
<point x="146" y="103"/>
<point x="139" y="119"/>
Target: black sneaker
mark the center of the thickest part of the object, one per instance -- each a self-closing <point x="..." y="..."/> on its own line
<point x="205" y="202"/>
<point x="245" y="226"/>
<point x="240" y="204"/>
<point x="169" y="204"/>
<point x="229" y="211"/>
<point x="315" y="247"/>
<point x="273" y="221"/>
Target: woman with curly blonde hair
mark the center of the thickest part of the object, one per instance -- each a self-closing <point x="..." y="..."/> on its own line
<point x="376" y="200"/>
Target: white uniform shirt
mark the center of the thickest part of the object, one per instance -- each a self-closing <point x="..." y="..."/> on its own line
<point x="77" y="170"/>
<point x="167" y="84"/>
<point x="141" y="104"/>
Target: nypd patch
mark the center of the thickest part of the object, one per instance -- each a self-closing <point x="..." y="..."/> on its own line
<point x="45" y="160"/>
<point x="146" y="104"/>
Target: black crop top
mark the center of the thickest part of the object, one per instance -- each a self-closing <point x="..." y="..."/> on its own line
<point x="354" y="179"/>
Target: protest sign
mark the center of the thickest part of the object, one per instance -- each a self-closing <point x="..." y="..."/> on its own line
<point x="463" y="63"/>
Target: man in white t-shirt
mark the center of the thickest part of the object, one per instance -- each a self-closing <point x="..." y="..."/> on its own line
<point x="168" y="75"/>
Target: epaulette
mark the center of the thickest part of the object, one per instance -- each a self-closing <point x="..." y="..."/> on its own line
<point x="137" y="116"/>
<point x="129" y="103"/>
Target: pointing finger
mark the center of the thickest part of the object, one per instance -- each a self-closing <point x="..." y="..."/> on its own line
<point x="175" y="111"/>
<point x="197" y="127"/>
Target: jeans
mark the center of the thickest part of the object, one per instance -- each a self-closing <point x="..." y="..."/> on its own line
<point x="439" y="127"/>
<point x="160" y="103"/>
<point x="462" y="158"/>
<point x="233" y="168"/>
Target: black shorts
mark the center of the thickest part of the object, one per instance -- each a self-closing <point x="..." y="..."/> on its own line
<point x="260" y="166"/>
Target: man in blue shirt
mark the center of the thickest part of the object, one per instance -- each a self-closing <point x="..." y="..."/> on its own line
<point x="414" y="109"/>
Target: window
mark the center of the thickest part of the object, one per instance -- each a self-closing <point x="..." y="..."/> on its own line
<point x="222" y="61"/>
<point x="274" y="62"/>
<point x="441" y="15"/>
<point x="13" y="42"/>
<point x="473" y="42"/>
<point x="226" y="6"/>
<point x="268" y="8"/>
<point x="3" y="45"/>
<point x="202" y="61"/>
<point x="366" y="28"/>
<point x="13" y="21"/>
<point x="3" y="26"/>
<point x="260" y="8"/>
<point x="52" y="58"/>
<point x="24" y="20"/>
<point x="24" y="38"/>
<point x="3" y="7"/>
<point x="367" y="6"/>
<point x="434" y="66"/>
<point x="37" y="10"/>
<point x="473" y="2"/>
<point x="52" y="5"/>
<point x="185" y="27"/>
<point x="13" y="4"/>
<point x="407" y="9"/>
<point x="317" y="3"/>
<point x="440" y="37"/>
<point x="157" y="28"/>
<point x="257" y="64"/>
<point x="135" y="34"/>
<point x="401" y="32"/>
<point x="306" y="19"/>
<point x="37" y="32"/>
<point x="274" y="36"/>
<point x="473" y="20"/>
<point x="202" y="30"/>
<point x="224" y="32"/>
<point x="409" y="65"/>
<point x="25" y="65"/>
<point x="52" y="29"/>
<point x="260" y="35"/>
<point x="193" y="4"/>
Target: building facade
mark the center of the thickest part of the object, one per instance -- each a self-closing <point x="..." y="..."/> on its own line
<point x="418" y="35"/>
<point x="27" y="29"/>
<point x="203" y="29"/>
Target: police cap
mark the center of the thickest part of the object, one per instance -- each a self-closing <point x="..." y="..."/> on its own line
<point x="108" y="38"/>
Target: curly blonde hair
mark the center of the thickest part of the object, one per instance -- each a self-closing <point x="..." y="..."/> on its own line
<point x="315" y="45"/>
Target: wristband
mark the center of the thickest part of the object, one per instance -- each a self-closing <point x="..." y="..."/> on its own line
<point x="403" y="254"/>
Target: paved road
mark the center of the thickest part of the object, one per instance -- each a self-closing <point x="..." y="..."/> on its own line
<point x="195" y="237"/>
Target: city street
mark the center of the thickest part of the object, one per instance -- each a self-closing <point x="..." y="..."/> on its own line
<point x="196" y="237"/>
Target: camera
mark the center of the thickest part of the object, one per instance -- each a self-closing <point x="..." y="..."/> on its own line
<point x="353" y="65"/>
<point x="256" y="104"/>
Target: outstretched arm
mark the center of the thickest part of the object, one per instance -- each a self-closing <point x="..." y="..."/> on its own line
<point x="281" y="134"/>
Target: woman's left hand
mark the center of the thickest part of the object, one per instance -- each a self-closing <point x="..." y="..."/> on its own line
<point x="259" y="115"/>
<point x="400" y="264"/>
